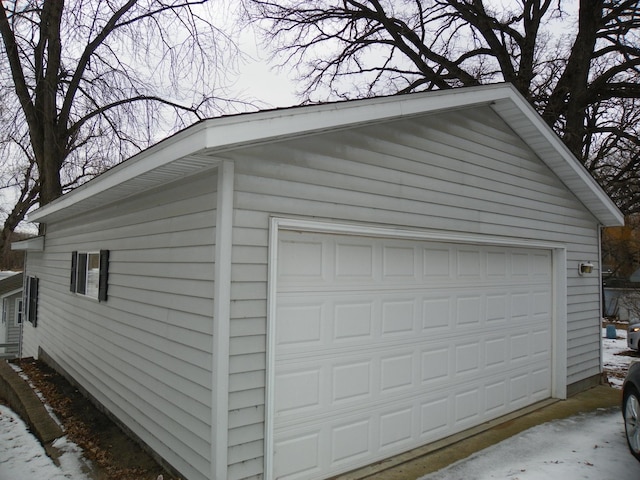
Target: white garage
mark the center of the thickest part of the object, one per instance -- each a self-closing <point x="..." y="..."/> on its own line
<point x="300" y="292"/>
<point x="383" y="344"/>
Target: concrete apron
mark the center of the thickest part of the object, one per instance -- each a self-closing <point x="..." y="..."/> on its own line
<point x="435" y="456"/>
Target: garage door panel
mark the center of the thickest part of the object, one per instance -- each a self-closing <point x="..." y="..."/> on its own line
<point x="468" y="310"/>
<point x="351" y="382"/>
<point x="436" y="311"/>
<point x="304" y="261"/>
<point x="350" y="441"/>
<point x="399" y="263"/>
<point x="329" y="260"/>
<point x="467" y="358"/>
<point x="541" y="343"/>
<point x="398" y="372"/>
<point x="519" y="389"/>
<point x="540" y="382"/>
<point x="353" y="321"/>
<point x="395" y="427"/>
<point x="435" y="414"/>
<point x="303" y="456"/>
<point x="495" y="350"/>
<point x="328" y="321"/>
<point x="496" y="397"/>
<point x="300" y="324"/>
<point x="317" y="394"/>
<point x="432" y="354"/>
<point x="382" y="345"/>
<point x="354" y="262"/>
<point x="299" y="389"/>
<point x="467" y="408"/>
<point x="437" y="264"/>
<point x="398" y="316"/>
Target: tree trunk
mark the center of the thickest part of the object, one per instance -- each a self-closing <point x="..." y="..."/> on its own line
<point x="49" y="175"/>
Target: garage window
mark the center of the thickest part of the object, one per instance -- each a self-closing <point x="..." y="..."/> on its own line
<point x="89" y="274"/>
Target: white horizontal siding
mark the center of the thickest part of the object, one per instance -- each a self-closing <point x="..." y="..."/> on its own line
<point x="146" y="352"/>
<point x="13" y="330"/>
<point x="464" y="172"/>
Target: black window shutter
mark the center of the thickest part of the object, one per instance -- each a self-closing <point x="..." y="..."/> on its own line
<point x="33" y="300"/>
<point x="74" y="271"/>
<point x="104" y="276"/>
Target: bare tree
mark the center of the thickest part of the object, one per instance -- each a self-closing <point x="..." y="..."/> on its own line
<point x="580" y="68"/>
<point x="85" y="83"/>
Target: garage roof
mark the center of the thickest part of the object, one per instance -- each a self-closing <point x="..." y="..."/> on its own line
<point x="196" y="148"/>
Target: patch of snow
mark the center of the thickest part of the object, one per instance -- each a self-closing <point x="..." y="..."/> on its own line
<point x="589" y="446"/>
<point x="71" y="459"/>
<point x="616" y="357"/>
<point x="38" y="393"/>
<point x="23" y="457"/>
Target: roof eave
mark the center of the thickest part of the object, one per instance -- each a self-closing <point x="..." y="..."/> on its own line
<point x="224" y="133"/>
<point x="228" y="133"/>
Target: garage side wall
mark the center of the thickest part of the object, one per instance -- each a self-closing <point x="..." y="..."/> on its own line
<point x="464" y="172"/>
<point x="145" y="353"/>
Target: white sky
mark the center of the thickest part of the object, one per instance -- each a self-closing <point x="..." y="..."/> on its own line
<point x="254" y="78"/>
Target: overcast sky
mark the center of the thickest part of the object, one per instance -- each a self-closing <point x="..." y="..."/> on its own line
<point x="255" y="78"/>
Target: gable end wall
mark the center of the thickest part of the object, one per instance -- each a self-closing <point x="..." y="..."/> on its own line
<point x="464" y="172"/>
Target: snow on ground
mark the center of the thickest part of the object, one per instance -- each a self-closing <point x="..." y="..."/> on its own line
<point x="613" y="357"/>
<point x="587" y="446"/>
<point x="22" y="457"/>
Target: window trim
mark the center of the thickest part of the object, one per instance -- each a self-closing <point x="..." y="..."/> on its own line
<point x="5" y="311"/>
<point x="18" y="317"/>
<point x="79" y="279"/>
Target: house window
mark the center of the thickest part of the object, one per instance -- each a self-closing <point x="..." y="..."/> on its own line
<point x="89" y="274"/>
<point x="18" y="317"/>
<point x="31" y="300"/>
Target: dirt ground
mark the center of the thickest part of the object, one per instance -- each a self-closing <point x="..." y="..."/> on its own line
<point x="114" y="455"/>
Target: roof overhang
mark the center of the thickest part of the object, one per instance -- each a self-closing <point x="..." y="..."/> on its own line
<point x="194" y="149"/>
<point x="35" y="244"/>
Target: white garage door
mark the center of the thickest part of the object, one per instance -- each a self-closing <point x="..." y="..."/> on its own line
<point x="382" y="345"/>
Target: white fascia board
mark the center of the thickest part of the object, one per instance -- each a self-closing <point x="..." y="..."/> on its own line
<point x="290" y="122"/>
<point x="177" y="146"/>
<point x="614" y="216"/>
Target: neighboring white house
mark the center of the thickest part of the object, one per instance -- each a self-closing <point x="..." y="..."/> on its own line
<point x="11" y="320"/>
<point x="300" y="292"/>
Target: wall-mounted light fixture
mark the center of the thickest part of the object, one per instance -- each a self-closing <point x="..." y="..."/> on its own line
<point x="585" y="267"/>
